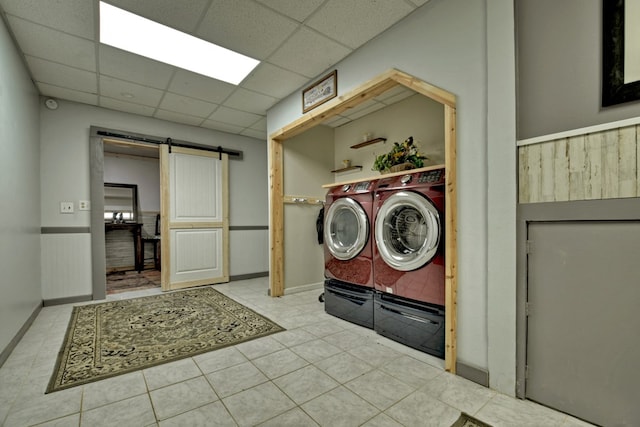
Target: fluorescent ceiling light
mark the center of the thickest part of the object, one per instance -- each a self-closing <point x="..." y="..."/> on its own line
<point x="133" y="33"/>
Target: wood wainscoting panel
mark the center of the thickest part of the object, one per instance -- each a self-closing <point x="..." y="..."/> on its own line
<point x="593" y="166"/>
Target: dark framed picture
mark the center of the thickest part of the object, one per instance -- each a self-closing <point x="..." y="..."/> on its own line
<point x="620" y="54"/>
<point x="320" y="92"/>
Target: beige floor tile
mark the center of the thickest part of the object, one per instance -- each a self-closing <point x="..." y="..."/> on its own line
<point x="419" y="409"/>
<point x="171" y="373"/>
<point x="293" y="418"/>
<point x="281" y="362"/>
<point x="69" y="421"/>
<point x="458" y="392"/>
<point x="133" y="411"/>
<point x="411" y="371"/>
<point x="294" y="337"/>
<point x="236" y="379"/>
<point x="505" y="411"/>
<point x="305" y="384"/>
<point x="211" y="415"/>
<point x="344" y="367"/>
<point x="259" y="347"/>
<point x="375" y="354"/>
<point x="219" y="359"/>
<point x="314" y="351"/>
<point x="182" y="397"/>
<point x="379" y="388"/>
<point x="112" y="390"/>
<point x="340" y="408"/>
<point x="258" y="404"/>
<point x="44" y="407"/>
<point x="382" y="420"/>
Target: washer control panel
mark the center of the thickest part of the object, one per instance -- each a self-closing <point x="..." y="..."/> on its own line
<point x="431" y="176"/>
<point x="361" y="186"/>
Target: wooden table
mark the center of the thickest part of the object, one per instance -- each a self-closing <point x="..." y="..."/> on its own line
<point x="136" y="231"/>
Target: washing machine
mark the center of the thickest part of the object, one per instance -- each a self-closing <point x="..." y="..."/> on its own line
<point x="408" y="259"/>
<point x="348" y="252"/>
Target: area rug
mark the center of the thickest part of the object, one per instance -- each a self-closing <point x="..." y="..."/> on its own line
<point x="467" y="420"/>
<point x="116" y="337"/>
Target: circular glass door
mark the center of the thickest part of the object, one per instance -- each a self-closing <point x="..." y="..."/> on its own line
<point x="407" y="231"/>
<point x="346" y="229"/>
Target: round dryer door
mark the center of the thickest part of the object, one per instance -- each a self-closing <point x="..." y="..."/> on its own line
<point x="346" y="229"/>
<point x="407" y="231"/>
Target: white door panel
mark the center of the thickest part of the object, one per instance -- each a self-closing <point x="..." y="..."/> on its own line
<point x="195" y="242"/>
<point x="194" y="259"/>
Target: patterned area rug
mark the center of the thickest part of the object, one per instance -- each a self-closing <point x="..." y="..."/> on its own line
<point x="116" y="337"/>
<point x="467" y="420"/>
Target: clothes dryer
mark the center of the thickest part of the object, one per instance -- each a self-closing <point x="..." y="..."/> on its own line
<point x="348" y="252"/>
<point x="408" y="259"/>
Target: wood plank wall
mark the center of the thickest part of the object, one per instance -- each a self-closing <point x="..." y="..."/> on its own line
<point x="593" y="166"/>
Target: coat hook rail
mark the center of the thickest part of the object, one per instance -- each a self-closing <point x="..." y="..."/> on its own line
<point x="303" y="200"/>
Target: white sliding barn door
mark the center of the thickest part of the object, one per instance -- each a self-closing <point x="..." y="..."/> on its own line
<point x="195" y="218"/>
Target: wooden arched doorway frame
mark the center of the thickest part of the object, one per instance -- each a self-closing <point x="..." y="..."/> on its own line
<point x="363" y="93"/>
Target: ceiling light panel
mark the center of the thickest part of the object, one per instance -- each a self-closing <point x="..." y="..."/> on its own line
<point x="133" y="33"/>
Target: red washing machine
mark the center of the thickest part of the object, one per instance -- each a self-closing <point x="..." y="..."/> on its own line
<point x="408" y="259"/>
<point x="348" y="252"/>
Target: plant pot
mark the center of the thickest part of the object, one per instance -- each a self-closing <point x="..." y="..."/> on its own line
<point x="398" y="168"/>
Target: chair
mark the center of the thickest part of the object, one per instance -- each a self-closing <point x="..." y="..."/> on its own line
<point x="155" y="241"/>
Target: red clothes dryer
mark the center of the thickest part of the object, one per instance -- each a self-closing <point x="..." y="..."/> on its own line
<point x="408" y="259"/>
<point x="348" y="252"/>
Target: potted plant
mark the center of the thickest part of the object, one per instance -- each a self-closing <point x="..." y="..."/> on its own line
<point x="403" y="156"/>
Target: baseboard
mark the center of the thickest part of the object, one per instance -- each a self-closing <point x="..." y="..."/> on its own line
<point x="311" y="287"/>
<point x="477" y="375"/>
<point x="67" y="300"/>
<point x="4" y="355"/>
<point x="248" y="276"/>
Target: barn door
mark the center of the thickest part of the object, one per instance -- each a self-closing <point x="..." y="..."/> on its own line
<point x="195" y="219"/>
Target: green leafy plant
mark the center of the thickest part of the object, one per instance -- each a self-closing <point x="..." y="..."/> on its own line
<point x="406" y="152"/>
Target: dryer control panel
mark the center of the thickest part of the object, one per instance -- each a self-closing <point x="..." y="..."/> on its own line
<point x="431" y="176"/>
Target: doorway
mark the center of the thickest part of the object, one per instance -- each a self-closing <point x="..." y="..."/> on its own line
<point x="132" y="216"/>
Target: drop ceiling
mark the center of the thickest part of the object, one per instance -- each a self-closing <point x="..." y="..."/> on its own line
<point x="295" y="40"/>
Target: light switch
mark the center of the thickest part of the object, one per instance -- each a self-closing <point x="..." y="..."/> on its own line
<point x="66" y="207"/>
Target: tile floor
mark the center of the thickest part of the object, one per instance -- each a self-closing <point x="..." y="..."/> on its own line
<point x="321" y="371"/>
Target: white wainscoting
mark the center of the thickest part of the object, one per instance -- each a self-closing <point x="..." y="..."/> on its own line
<point x="66" y="265"/>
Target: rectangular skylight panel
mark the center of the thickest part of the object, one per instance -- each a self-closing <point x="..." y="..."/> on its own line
<point x="135" y="34"/>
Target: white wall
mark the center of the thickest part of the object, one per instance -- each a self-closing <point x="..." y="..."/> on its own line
<point x="142" y="171"/>
<point x="445" y="43"/>
<point x="65" y="176"/>
<point x="19" y="192"/>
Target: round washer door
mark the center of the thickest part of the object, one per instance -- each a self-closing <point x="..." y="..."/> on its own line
<point x="407" y="231"/>
<point x="346" y="228"/>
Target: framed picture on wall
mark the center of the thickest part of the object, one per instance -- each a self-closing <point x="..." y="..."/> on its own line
<point x="320" y="92"/>
<point x="620" y="51"/>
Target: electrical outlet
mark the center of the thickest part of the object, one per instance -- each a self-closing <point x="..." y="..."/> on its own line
<point x="83" y="205"/>
<point x="66" y="207"/>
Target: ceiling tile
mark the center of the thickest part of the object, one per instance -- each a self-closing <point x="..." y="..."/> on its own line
<point x="363" y="109"/>
<point x="200" y="87"/>
<point x="60" y="75"/>
<point x="224" y="127"/>
<point x="181" y="15"/>
<point x="186" y="105"/>
<point x="356" y="22"/>
<point x="43" y="42"/>
<point x="258" y="134"/>
<point x="246" y="27"/>
<point x="247" y="100"/>
<point x="274" y="81"/>
<point x="70" y="16"/>
<point x="296" y="9"/>
<point x="178" y="118"/>
<point x="115" y="104"/>
<point x="134" y="68"/>
<point x="119" y="89"/>
<point x="308" y="53"/>
<point x="68" y="94"/>
<point x="234" y="117"/>
<point x="336" y="121"/>
<point x="260" y="125"/>
<point x="418" y="2"/>
<point x="397" y="97"/>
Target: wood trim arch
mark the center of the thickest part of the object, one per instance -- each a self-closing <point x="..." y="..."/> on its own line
<point x="365" y="92"/>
